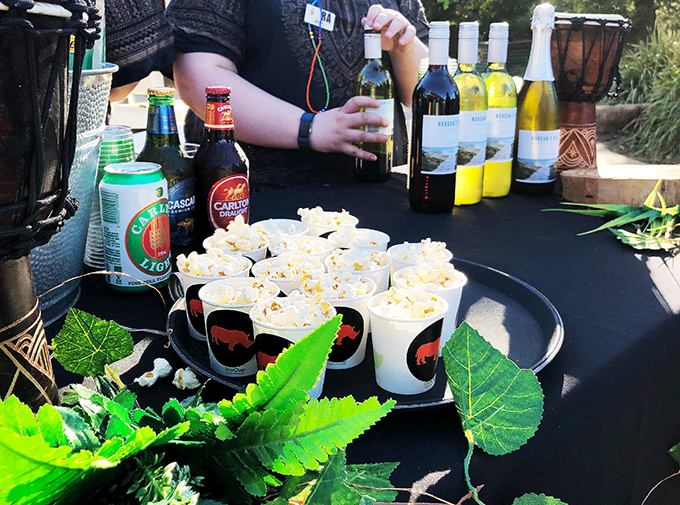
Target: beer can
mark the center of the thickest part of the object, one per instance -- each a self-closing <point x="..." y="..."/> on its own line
<point x="134" y="213"/>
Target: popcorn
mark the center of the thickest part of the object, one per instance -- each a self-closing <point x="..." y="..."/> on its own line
<point x="299" y="245"/>
<point x="272" y="227"/>
<point x="425" y="251"/>
<point x="288" y="266"/>
<point x="161" y="369"/>
<point x="297" y="310"/>
<point x="326" y="218"/>
<point x="238" y="236"/>
<point x="336" y="286"/>
<point x="401" y="304"/>
<point x="214" y="263"/>
<point x="185" y="379"/>
<point x="350" y="236"/>
<point x="256" y="290"/>
<point x="358" y="260"/>
<point x="431" y="277"/>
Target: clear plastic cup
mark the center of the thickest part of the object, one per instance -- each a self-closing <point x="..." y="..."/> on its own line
<point x="405" y="350"/>
<point x="231" y="338"/>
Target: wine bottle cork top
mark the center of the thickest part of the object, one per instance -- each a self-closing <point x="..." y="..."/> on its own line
<point x="439" y="29"/>
<point x="499" y="30"/>
<point x="468" y="30"/>
<point x="160" y="91"/>
<point x="543" y="18"/>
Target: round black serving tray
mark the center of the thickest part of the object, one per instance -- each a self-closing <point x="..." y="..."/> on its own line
<point x="512" y="315"/>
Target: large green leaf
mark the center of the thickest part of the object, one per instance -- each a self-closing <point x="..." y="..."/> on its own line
<point x="86" y="343"/>
<point x="362" y="478"/>
<point x="537" y="499"/>
<point x="500" y="405"/>
<point x="330" y="483"/>
<point x="284" y="383"/>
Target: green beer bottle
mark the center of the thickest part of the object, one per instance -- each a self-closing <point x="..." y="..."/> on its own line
<point x="163" y="147"/>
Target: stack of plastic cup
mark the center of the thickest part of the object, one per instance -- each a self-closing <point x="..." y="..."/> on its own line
<point x="117" y="147"/>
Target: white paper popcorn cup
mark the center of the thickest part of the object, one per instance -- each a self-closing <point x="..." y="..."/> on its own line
<point x="229" y="329"/>
<point x="323" y="222"/>
<point x="405" y="351"/>
<point x="452" y="295"/>
<point x="381" y="276"/>
<point x="287" y="285"/>
<point x="317" y="247"/>
<point x="398" y="264"/>
<point x="194" y="307"/>
<point x="289" y="227"/>
<point x="271" y="340"/>
<point x="256" y="254"/>
<point x="349" y="349"/>
<point x="372" y="240"/>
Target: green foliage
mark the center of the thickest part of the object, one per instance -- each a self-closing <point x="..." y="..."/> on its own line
<point x="537" y="499"/>
<point x="675" y="452"/>
<point x="86" y="343"/>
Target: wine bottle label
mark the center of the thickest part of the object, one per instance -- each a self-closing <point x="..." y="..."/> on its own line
<point x="499" y="145"/>
<point x="218" y="116"/>
<point x="228" y="198"/>
<point x="537" y="153"/>
<point x="385" y="110"/>
<point x="161" y="119"/>
<point x="440" y="144"/>
<point x="473" y="130"/>
<point x="181" y="207"/>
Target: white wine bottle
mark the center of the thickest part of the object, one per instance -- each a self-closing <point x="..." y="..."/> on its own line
<point x="537" y="141"/>
<point x="502" y="115"/>
<point x="434" y="137"/>
<point x="374" y="81"/>
<point x="473" y="115"/>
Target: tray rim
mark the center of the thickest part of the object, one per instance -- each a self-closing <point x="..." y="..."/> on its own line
<point x="554" y="345"/>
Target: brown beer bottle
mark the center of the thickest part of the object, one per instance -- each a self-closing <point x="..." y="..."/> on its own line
<point x="221" y="168"/>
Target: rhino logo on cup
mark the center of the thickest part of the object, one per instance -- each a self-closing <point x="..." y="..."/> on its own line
<point x="423" y="352"/>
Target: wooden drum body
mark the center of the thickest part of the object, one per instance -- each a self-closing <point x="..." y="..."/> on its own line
<point x="585" y="53"/>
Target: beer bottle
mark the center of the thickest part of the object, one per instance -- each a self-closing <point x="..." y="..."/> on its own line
<point x="162" y="146"/>
<point x="221" y="167"/>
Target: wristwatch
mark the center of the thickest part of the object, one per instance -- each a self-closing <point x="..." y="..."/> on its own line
<point x="305" y="130"/>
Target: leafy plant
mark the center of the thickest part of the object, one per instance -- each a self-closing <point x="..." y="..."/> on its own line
<point x="656" y="228"/>
<point x="269" y="442"/>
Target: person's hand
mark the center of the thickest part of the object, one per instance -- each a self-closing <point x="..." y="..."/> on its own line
<point x="335" y="130"/>
<point x="398" y="33"/>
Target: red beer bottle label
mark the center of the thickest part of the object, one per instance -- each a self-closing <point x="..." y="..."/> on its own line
<point x="218" y="116"/>
<point x="228" y="198"/>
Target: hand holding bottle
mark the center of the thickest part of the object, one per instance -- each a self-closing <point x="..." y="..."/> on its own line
<point x="398" y="34"/>
<point x="335" y="130"/>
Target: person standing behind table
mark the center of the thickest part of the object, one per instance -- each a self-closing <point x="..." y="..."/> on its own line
<point x="263" y="51"/>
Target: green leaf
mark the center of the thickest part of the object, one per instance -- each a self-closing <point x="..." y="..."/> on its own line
<point x="537" y="499"/>
<point x="641" y="241"/>
<point x="86" y="343"/>
<point x="499" y="404"/>
<point x="331" y="480"/>
<point x="675" y="452"/>
<point x="18" y="417"/>
<point x="373" y="476"/>
<point x="51" y="426"/>
<point x="285" y="382"/>
<point x="79" y="434"/>
<point x="631" y="217"/>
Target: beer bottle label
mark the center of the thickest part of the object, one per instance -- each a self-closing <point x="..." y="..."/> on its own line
<point x="181" y="207"/>
<point x="218" y="116"/>
<point x="161" y="119"/>
<point x="147" y="239"/>
<point x="228" y="198"/>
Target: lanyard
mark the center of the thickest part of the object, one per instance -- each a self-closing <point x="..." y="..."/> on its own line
<point x="316" y="57"/>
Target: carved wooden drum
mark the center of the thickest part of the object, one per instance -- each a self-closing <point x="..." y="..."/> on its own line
<point x="585" y="51"/>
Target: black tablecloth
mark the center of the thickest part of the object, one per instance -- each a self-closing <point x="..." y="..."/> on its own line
<point x="612" y="394"/>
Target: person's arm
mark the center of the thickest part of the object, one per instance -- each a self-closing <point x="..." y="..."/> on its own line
<point x="406" y="50"/>
<point x="265" y="120"/>
<point x="120" y="92"/>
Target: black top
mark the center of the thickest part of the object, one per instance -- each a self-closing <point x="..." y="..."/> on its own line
<point x="269" y="43"/>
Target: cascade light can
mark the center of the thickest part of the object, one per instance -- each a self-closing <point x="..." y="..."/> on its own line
<point x="134" y="213"/>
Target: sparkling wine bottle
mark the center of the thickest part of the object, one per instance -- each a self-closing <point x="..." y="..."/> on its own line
<point x="473" y="116"/>
<point x="374" y="81"/>
<point x="434" y="138"/>
<point x="537" y="140"/>
<point x="502" y="115"/>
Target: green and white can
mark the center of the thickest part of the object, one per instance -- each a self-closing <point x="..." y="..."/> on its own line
<point x="136" y="226"/>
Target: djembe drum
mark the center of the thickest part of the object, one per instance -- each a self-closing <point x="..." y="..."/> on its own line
<point x="585" y="51"/>
<point x="37" y="144"/>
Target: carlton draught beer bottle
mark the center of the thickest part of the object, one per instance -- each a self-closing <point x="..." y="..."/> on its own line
<point x="163" y="147"/>
<point x="221" y="167"/>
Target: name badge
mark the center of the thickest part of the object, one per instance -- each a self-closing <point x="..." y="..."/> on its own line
<point x="313" y="15"/>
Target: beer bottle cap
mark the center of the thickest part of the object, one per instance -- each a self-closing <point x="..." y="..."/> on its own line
<point x="160" y="91"/>
<point x="218" y="90"/>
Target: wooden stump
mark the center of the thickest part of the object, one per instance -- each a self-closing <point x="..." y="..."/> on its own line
<point x="621" y="184"/>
